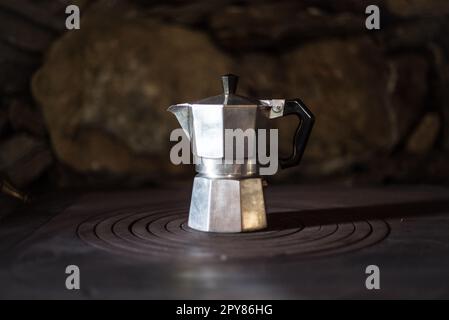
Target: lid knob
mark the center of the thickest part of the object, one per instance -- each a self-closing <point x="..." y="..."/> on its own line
<point x="229" y="83"/>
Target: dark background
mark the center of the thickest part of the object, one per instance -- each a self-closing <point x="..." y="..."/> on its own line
<point x="87" y="108"/>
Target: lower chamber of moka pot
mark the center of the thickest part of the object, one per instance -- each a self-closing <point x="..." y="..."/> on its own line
<point x="227" y="205"/>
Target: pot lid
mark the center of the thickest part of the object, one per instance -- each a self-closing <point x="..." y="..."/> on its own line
<point x="228" y="97"/>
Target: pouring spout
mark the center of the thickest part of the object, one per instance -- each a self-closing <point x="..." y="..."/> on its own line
<point x="182" y="113"/>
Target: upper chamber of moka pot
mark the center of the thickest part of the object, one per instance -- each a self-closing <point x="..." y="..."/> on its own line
<point x="207" y="123"/>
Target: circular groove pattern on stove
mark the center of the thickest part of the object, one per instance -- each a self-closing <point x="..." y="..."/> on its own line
<point x="162" y="234"/>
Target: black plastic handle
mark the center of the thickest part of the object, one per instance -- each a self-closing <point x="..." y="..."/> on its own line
<point x="302" y="133"/>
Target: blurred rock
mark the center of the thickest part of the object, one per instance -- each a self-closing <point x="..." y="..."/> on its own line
<point x="406" y="106"/>
<point x="408" y="8"/>
<point x="23" y="33"/>
<point x="28" y="29"/>
<point x="423" y="138"/>
<point x="270" y="24"/>
<point x="194" y="12"/>
<point x="16" y="68"/>
<point x="345" y="85"/>
<point x="23" y="159"/>
<point x="413" y="34"/>
<point x="23" y="118"/>
<point x="3" y="120"/>
<point x="443" y="99"/>
<point x="260" y="75"/>
<point x="104" y="89"/>
<point x="440" y="96"/>
<point x="104" y="95"/>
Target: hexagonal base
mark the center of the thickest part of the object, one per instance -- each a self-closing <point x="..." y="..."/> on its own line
<point x="227" y="205"/>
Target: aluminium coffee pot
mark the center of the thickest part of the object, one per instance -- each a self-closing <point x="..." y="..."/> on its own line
<point x="228" y="194"/>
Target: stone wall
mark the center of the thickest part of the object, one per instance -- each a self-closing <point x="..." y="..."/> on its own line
<point x="88" y="107"/>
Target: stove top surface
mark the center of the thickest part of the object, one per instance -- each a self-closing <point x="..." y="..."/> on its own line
<point x="320" y="240"/>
